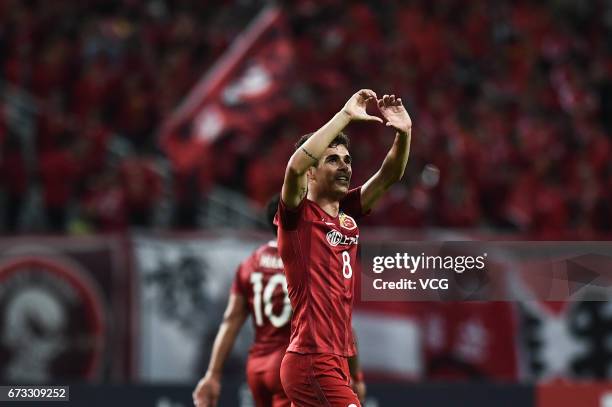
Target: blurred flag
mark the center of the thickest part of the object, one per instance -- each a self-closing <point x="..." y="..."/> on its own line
<point x="242" y="93"/>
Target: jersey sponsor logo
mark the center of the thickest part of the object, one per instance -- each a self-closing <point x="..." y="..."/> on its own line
<point x="335" y="238"/>
<point x="347" y="222"/>
<point x="270" y="262"/>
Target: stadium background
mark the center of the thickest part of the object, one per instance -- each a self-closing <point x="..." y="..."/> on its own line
<point x="139" y="141"/>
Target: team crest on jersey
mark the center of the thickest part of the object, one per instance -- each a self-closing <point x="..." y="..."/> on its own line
<point x="347" y="222"/>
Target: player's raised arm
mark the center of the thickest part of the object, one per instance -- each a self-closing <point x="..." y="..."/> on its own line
<point x="295" y="183"/>
<point x="392" y="168"/>
<point x="208" y="389"/>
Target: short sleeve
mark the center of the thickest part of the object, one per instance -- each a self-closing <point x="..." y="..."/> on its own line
<point x="237" y="285"/>
<point x="288" y="218"/>
<point x="351" y="204"/>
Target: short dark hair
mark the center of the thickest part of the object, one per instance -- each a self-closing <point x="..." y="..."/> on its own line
<point x="271" y="208"/>
<point x="340" y="139"/>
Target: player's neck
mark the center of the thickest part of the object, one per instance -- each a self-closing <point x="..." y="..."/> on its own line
<point x="329" y="205"/>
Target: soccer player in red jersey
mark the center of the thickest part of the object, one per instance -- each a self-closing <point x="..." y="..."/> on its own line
<point x="260" y="290"/>
<point x="318" y="237"/>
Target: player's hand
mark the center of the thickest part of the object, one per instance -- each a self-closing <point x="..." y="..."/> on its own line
<point x="207" y="391"/>
<point x="356" y="106"/>
<point x="359" y="387"/>
<point x="395" y="113"/>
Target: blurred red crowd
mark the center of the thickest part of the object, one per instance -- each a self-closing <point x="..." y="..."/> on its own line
<point x="101" y="74"/>
<point x="511" y="100"/>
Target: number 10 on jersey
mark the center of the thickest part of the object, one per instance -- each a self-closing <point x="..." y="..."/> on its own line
<point x="267" y="297"/>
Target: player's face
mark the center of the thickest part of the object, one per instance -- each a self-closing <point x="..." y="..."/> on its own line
<point x="333" y="174"/>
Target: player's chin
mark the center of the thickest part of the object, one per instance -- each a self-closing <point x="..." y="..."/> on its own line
<point x="341" y="188"/>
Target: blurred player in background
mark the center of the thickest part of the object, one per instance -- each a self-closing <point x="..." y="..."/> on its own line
<point x="259" y="290"/>
<point x="318" y="238"/>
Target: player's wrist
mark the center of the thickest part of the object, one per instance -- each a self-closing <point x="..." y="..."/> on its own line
<point x="403" y="130"/>
<point x="212" y="374"/>
<point x="345" y="114"/>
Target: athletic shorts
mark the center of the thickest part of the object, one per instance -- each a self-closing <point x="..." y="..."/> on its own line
<point x="263" y="376"/>
<point x="317" y="380"/>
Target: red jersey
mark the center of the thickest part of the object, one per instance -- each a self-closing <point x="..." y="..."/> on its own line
<point x="319" y="252"/>
<point x="261" y="281"/>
